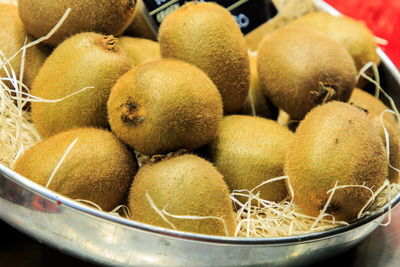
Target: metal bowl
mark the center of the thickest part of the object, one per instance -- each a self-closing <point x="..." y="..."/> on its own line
<point x="102" y="238"/>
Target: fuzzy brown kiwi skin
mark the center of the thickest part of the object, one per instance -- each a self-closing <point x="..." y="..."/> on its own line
<point x="374" y="108"/>
<point x="248" y="151"/>
<point x="394" y="146"/>
<point x="139" y="26"/>
<point x="372" y="105"/>
<point x="336" y="142"/>
<point x="166" y="105"/>
<point x="207" y="36"/>
<point x="300" y="68"/>
<point x="289" y="11"/>
<point x="84" y="60"/>
<point x="256" y="99"/>
<point x="106" y="17"/>
<point x="352" y="34"/>
<point x="98" y="173"/>
<point x="12" y="38"/>
<point x="140" y="50"/>
<point x="183" y="185"/>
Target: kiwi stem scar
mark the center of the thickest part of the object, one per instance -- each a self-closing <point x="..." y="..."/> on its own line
<point x="129" y="113"/>
<point x="324" y="93"/>
<point x="110" y="42"/>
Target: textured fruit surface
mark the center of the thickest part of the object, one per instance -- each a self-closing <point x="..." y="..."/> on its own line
<point x="336" y="142"/>
<point x="256" y="103"/>
<point x="207" y="35"/>
<point x="288" y="10"/>
<point x="139" y="26"/>
<point x="250" y="150"/>
<point x="299" y="68"/>
<point x="102" y="16"/>
<point x="165" y="105"/>
<point x="98" y="173"/>
<point x="352" y="34"/>
<point x="394" y="146"/>
<point x="374" y="107"/>
<point x="86" y="60"/>
<point x="140" y="50"/>
<point x="184" y="186"/>
<point x="12" y="38"/>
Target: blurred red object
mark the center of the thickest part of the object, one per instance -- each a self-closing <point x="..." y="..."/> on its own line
<point x="381" y="16"/>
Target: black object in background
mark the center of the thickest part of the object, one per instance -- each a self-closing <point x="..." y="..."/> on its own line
<point x="249" y="14"/>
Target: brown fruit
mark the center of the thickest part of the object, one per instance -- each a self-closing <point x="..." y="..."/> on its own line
<point x="207" y="36"/>
<point x="98" y="173"/>
<point x="163" y="106"/>
<point x="140" y="50"/>
<point x="256" y="103"/>
<point x="185" y="186"/>
<point x="12" y="38"/>
<point x="335" y="143"/>
<point x="109" y="17"/>
<point x="353" y="35"/>
<point x="249" y="151"/>
<point x="86" y="60"/>
<point x="140" y="27"/>
<point x="299" y="68"/>
<point x="374" y="107"/>
<point x="288" y="10"/>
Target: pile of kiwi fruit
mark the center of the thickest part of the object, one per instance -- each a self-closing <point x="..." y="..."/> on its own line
<point x="171" y="126"/>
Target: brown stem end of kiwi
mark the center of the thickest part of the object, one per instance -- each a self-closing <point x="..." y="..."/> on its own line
<point x="324" y="93"/>
<point x="129" y="114"/>
<point x="157" y="158"/>
<point x="109" y="42"/>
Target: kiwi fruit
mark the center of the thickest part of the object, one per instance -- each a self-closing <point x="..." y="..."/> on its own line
<point x="249" y="151"/>
<point x="140" y="27"/>
<point x="288" y="11"/>
<point x="108" y="17"/>
<point x="299" y="68"/>
<point x="98" y="173"/>
<point x="394" y="146"/>
<point x="140" y="50"/>
<point x="86" y="60"/>
<point x="335" y="143"/>
<point x="207" y="36"/>
<point x="184" y="185"/>
<point x="256" y="103"/>
<point x="166" y="105"/>
<point x="353" y="35"/>
<point x="12" y="38"/>
<point x="374" y="107"/>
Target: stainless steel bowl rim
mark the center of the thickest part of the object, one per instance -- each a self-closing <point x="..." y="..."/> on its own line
<point x="304" y="238"/>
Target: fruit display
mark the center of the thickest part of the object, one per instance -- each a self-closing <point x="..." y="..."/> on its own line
<point x="110" y="17"/>
<point x="86" y="60"/>
<point x="101" y="174"/>
<point x="207" y="36"/>
<point x="183" y="131"/>
<point x="12" y="38"/>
